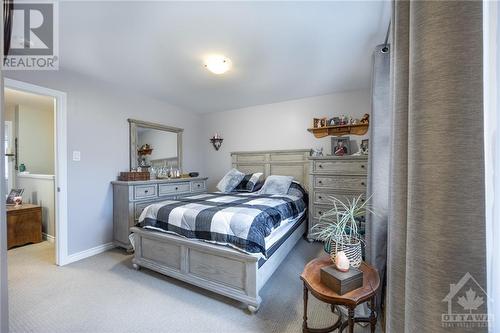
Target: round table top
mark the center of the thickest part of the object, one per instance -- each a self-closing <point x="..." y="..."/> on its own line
<point x="312" y="278"/>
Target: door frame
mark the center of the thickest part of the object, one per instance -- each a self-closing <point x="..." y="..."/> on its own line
<point x="61" y="162"/>
<point x="10" y="169"/>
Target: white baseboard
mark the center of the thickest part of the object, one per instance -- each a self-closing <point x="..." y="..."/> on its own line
<point x="49" y="238"/>
<point x="88" y="253"/>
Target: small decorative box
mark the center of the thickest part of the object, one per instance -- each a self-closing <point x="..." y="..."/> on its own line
<point x="131" y="176"/>
<point x="341" y="282"/>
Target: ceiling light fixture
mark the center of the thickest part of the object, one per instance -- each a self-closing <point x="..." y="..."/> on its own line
<point x="218" y="64"/>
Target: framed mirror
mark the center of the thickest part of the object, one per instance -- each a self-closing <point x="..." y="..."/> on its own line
<point x="154" y="145"/>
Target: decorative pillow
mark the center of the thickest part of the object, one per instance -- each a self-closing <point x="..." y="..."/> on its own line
<point x="276" y="185"/>
<point x="229" y="182"/>
<point x="250" y="183"/>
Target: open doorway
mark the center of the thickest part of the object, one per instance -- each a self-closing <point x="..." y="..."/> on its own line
<point x="30" y="173"/>
<point x="35" y="173"/>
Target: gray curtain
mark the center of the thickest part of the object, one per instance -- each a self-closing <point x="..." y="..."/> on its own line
<point x="378" y="170"/>
<point x="436" y="228"/>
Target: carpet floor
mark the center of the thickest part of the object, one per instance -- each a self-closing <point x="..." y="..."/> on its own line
<point x="105" y="294"/>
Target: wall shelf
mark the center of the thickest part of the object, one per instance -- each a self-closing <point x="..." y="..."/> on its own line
<point x="321" y="132"/>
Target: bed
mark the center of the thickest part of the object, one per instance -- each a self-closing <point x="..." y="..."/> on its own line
<point x="226" y="270"/>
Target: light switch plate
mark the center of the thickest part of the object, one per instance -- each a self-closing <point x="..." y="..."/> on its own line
<point x="76" y="155"/>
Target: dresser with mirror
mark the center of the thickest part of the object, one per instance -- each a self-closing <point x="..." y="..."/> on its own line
<point x="157" y="149"/>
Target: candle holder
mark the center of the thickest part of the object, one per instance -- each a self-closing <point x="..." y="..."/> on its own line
<point x="216" y="142"/>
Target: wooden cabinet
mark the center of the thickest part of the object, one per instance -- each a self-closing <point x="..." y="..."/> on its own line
<point x="131" y="197"/>
<point x="24" y="225"/>
<point x="338" y="176"/>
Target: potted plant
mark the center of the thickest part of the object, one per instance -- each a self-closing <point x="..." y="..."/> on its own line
<point x="339" y="228"/>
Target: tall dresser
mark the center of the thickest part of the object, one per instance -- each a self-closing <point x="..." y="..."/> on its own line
<point x="338" y="176"/>
<point x="131" y="197"/>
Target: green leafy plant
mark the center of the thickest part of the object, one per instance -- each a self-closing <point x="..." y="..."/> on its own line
<point x="340" y="223"/>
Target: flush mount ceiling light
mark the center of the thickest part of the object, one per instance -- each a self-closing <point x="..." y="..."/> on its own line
<point x="217" y="64"/>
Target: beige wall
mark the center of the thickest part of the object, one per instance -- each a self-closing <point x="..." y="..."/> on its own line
<point x="277" y="126"/>
<point x="35" y="133"/>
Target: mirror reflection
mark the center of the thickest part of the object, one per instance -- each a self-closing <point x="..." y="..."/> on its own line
<point x="154" y="148"/>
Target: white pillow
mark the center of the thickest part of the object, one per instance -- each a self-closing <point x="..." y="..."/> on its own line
<point x="229" y="182"/>
<point x="276" y="185"/>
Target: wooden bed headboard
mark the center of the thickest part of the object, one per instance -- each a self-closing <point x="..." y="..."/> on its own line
<point x="293" y="163"/>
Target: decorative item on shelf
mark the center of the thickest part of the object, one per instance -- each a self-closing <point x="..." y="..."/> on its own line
<point x="22" y="167"/>
<point x="338" y="126"/>
<point x="363" y="148"/>
<point x="344" y="120"/>
<point x="341" y="146"/>
<point x="340" y="228"/>
<point x="320" y="122"/>
<point x="335" y="121"/>
<point x="365" y="119"/>
<point x="194" y="174"/>
<point x="316" y="152"/>
<point x="216" y="141"/>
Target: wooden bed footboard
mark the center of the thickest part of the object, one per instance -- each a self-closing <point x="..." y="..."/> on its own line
<point x="213" y="267"/>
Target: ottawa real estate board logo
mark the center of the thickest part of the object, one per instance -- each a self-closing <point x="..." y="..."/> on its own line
<point x="467" y="304"/>
<point x="31" y="36"/>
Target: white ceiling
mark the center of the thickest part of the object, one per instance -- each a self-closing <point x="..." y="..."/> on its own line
<point x="15" y="97"/>
<point x="280" y="50"/>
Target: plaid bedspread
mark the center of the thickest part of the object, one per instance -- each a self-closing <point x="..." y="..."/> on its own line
<point x="242" y="220"/>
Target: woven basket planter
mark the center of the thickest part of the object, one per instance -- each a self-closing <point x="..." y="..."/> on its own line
<point x="352" y="250"/>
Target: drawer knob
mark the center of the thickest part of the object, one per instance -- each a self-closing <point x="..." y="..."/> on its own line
<point x="362" y="166"/>
<point x="320" y="213"/>
<point x="198" y="185"/>
<point x="176" y="188"/>
<point x="363" y="183"/>
<point x="320" y="166"/>
<point x="320" y="182"/>
<point x="320" y="197"/>
<point x="146" y="191"/>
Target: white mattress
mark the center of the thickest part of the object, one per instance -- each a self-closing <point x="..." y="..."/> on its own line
<point x="281" y="231"/>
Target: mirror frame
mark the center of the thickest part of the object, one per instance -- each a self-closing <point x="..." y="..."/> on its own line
<point x="134" y="123"/>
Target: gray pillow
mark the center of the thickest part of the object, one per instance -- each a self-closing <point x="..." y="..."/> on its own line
<point x="230" y="181"/>
<point x="276" y="185"/>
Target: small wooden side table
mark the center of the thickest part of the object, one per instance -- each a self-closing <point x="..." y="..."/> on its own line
<point x="24" y="225"/>
<point x="312" y="283"/>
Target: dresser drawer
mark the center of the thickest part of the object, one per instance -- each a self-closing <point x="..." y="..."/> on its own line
<point x="341" y="167"/>
<point x="319" y="210"/>
<point x="144" y="191"/>
<point x="175" y="188"/>
<point x="325" y="198"/>
<point x="350" y="183"/>
<point x="198" y="186"/>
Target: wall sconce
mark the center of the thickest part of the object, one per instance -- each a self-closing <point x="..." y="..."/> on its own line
<point x="216" y="141"/>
